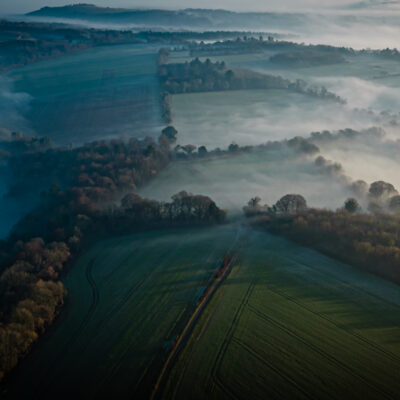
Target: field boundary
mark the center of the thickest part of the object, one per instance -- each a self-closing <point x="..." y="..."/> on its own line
<point x="220" y="275"/>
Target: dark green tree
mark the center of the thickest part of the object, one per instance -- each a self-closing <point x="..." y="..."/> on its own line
<point x="351" y="205"/>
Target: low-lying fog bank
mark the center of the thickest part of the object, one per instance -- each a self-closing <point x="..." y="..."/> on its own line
<point x="248" y="117"/>
<point x="231" y="181"/>
<point x="370" y="155"/>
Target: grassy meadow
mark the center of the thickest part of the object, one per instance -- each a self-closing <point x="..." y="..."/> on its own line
<point x="128" y="298"/>
<point x="290" y="323"/>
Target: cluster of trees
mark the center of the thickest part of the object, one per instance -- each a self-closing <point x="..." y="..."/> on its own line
<point x="98" y="170"/>
<point x="194" y="76"/>
<point x="383" y="197"/>
<point x="165" y="96"/>
<point x="392" y="54"/>
<point x="377" y="197"/>
<point x="290" y="204"/>
<point x="198" y="76"/>
<point x="348" y="134"/>
<point x="369" y="242"/>
<point x="30" y="295"/>
<point x="184" y="209"/>
<point x="246" y="45"/>
<point x="15" y="144"/>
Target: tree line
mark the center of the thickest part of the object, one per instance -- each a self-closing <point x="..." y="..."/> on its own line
<point x="207" y="76"/>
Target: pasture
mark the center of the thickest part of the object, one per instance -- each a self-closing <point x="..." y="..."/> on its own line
<point x="128" y="299"/>
<point x="291" y="323"/>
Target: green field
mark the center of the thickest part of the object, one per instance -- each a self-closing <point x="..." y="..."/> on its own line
<point x="128" y="298"/>
<point x="290" y="323"/>
<point x="109" y="91"/>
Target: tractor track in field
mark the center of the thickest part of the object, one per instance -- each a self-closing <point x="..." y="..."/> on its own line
<point x="94" y="303"/>
<point x="200" y="335"/>
<point x="89" y="313"/>
<point x="108" y="277"/>
<point x="95" y="300"/>
<point x="217" y="381"/>
<point x="129" y="293"/>
<point x="228" y="337"/>
<point x="375" y="346"/>
<point x="317" y="350"/>
<point x="271" y="366"/>
<point x="95" y="290"/>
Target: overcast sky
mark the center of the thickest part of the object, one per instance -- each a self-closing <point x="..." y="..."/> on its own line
<point x="21" y="6"/>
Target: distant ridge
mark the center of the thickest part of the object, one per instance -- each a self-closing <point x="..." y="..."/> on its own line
<point x="369" y="4"/>
<point x="190" y="17"/>
<point x="137" y="16"/>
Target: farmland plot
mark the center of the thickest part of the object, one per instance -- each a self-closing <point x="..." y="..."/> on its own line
<point x="291" y="323"/>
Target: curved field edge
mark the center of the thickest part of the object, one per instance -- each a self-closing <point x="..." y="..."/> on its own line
<point x="291" y="323"/>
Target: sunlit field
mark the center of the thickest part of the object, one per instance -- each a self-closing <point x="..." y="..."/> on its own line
<point x="291" y="323"/>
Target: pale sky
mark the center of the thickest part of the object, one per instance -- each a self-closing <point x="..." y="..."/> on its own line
<point x="22" y="6"/>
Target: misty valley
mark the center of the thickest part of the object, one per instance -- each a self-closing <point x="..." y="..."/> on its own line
<point x="200" y="203"/>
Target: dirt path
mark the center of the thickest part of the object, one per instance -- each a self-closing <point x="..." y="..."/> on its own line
<point x="217" y="281"/>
